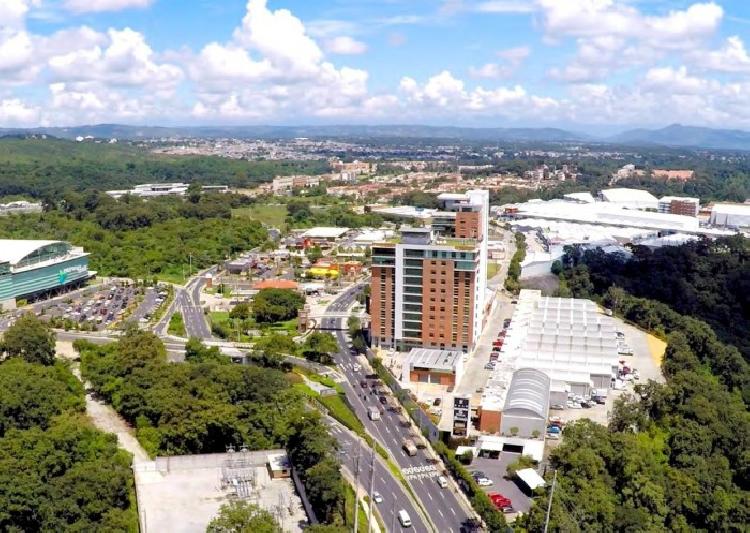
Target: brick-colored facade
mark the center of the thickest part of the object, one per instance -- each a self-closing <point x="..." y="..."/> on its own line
<point x="447" y="304"/>
<point x="489" y="421"/>
<point x="679" y="207"/>
<point x="447" y="380"/>
<point x="468" y="225"/>
<point x="382" y="303"/>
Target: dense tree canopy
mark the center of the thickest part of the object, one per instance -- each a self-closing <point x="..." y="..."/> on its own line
<point x="674" y="457"/>
<point x="276" y="305"/>
<point x="709" y="280"/>
<point x="57" y="473"/>
<point x="243" y="517"/>
<point x="204" y="404"/>
<point x="30" y="339"/>
<point x="319" y="347"/>
<point x="45" y="168"/>
<point x="141" y="251"/>
<point x="31" y="395"/>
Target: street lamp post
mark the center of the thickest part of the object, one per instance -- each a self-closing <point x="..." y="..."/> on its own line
<point x="356" y="486"/>
<point x="372" y="478"/>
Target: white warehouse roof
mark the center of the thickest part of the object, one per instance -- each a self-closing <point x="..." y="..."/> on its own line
<point x="12" y="251"/>
<point x="734" y="215"/>
<point x="529" y="391"/>
<point x="325" y="233"/>
<point x="623" y="195"/>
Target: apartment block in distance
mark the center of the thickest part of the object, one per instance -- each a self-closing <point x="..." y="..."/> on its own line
<point x="429" y="284"/>
<point x="679" y="205"/>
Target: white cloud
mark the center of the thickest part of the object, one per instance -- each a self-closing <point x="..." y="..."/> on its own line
<point x="490" y="71"/>
<point x="280" y="37"/>
<point x="444" y="93"/>
<point x="97" y="6"/>
<point x="13" y="13"/>
<point x="612" y="35"/>
<point x="677" y="81"/>
<point x="331" y="27"/>
<point x="126" y="60"/>
<point x="506" y="6"/>
<point x="512" y="59"/>
<point x="514" y="55"/>
<point x="273" y="67"/>
<point x="345" y="45"/>
<point x="597" y="18"/>
<point x="14" y="112"/>
<point x="732" y="57"/>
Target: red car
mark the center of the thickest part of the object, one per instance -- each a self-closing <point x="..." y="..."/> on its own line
<point x="501" y="502"/>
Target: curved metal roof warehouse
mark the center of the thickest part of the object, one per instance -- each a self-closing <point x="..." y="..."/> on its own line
<point x="529" y="391"/>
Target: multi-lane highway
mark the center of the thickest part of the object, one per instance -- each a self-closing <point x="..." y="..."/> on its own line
<point x="393" y="494"/>
<point x="443" y="505"/>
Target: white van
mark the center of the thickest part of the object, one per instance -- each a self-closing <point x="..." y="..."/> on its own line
<point x="403" y="518"/>
<point x="442" y="481"/>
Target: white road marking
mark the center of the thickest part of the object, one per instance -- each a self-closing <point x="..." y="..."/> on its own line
<point x="452" y="511"/>
<point x="441" y="513"/>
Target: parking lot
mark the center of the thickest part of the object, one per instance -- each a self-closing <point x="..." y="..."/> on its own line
<point x="98" y="308"/>
<point x="92" y="310"/>
<point x="494" y="469"/>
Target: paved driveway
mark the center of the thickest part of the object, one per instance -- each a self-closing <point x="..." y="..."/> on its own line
<point x="495" y="470"/>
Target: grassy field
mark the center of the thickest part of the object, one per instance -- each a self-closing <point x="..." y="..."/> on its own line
<point x="176" y="325"/>
<point x="492" y="269"/>
<point x="271" y="214"/>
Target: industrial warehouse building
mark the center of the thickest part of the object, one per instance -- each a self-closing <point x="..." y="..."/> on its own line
<point x="440" y="367"/>
<point x="730" y="215"/>
<point x="553" y="347"/>
<point x="32" y="268"/>
<point x="526" y="404"/>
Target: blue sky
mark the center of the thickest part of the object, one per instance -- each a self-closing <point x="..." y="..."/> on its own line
<point x="606" y="64"/>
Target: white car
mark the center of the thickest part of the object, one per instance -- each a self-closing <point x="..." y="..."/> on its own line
<point x="484" y="482"/>
<point x="377" y="498"/>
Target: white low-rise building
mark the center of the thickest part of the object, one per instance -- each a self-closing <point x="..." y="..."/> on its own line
<point x="730" y="215"/>
<point x="630" y="198"/>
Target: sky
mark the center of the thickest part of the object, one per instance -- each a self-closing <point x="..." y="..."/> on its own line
<point x="580" y="64"/>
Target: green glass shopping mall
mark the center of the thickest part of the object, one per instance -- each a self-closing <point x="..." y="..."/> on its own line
<point x="29" y="269"/>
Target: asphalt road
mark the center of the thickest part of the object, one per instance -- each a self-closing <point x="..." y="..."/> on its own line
<point x="394" y="494"/>
<point x="442" y="505"/>
<point x="188" y="303"/>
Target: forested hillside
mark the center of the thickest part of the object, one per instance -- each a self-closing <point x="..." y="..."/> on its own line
<point x="675" y="455"/>
<point x="709" y="280"/>
<point x="57" y="472"/>
<point x="138" y="238"/>
<point x="206" y="404"/>
<point x="44" y="168"/>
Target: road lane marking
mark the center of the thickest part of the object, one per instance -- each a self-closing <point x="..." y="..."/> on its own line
<point x="441" y="513"/>
<point x="452" y="511"/>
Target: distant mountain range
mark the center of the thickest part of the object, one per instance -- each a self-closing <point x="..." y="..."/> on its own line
<point x="118" y="131"/>
<point x="687" y="136"/>
<point x="675" y="135"/>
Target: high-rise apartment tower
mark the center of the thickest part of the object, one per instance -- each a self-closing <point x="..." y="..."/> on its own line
<point x="428" y="286"/>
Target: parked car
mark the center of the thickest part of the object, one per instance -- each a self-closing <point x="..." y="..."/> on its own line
<point x="553" y="429"/>
<point x="489" y="366"/>
<point x="501" y="502"/>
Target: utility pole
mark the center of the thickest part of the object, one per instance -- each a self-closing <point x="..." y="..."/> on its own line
<point x="372" y="478"/>
<point x="549" y="503"/>
<point x="356" y="486"/>
<point x="190" y="259"/>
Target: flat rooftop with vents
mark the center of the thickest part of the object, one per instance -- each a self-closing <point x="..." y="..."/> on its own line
<point x="428" y="365"/>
